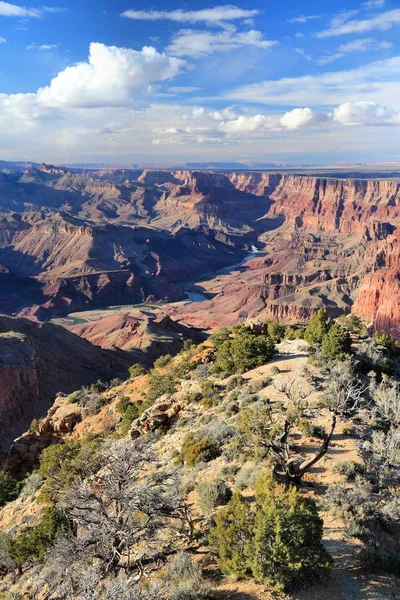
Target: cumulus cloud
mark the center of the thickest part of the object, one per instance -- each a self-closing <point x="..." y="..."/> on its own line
<point x="197" y="43"/>
<point x="111" y="77"/>
<point x="2" y="40"/>
<point x="383" y="22"/>
<point x="304" y="117"/>
<point x="212" y="16"/>
<point x="366" y="113"/>
<point x="243" y="124"/>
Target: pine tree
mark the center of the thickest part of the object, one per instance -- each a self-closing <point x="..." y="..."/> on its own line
<point x="337" y="342"/>
<point x="317" y="328"/>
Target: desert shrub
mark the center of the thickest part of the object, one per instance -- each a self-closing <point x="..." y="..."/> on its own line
<point x="197" y="448"/>
<point x="275" y="370"/>
<point x="349" y="431"/>
<point x="317" y="328"/>
<point x="31" y="543"/>
<point x="336" y="343"/>
<point x="162" y="361"/>
<point x="185" y="579"/>
<point x="219" y="336"/>
<point x="136" y="370"/>
<point x="98" y="386"/>
<point x="201" y="372"/>
<point x="234" y="382"/>
<point x="9" y="488"/>
<point x="123" y="404"/>
<point x="228" y="471"/>
<point x="160" y="384"/>
<point x="353" y="325"/>
<point x="259" y="384"/>
<point x="247" y="476"/>
<point x="61" y="464"/>
<point x="34" y="426"/>
<point x="132" y="412"/>
<point x="276" y="330"/>
<point x="278" y="542"/>
<point x="210" y="393"/>
<point x="31" y="485"/>
<point x="211" y="494"/>
<point x="243" y="353"/>
<point x="310" y="430"/>
<point x="388" y="342"/>
<point x="348" y="469"/>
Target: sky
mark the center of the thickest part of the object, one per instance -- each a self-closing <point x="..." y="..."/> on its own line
<point x="135" y="81"/>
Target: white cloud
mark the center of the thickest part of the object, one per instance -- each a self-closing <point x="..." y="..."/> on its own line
<point x="243" y="124"/>
<point x="360" y="45"/>
<point x="182" y="89"/>
<point x="382" y="22"/>
<point x="198" y="44"/>
<point x="366" y="113"/>
<point x="371" y="4"/>
<point x="3" y="40"/>
<point x="374" y="82"/>
<point x="12" y="10"/>
<point x="42" y="47"/>
<point x="299" y="35"/>
<point x="303" y="18"/>
<point x="301" y="52"/>
<point x="213" y="16"/>
<point x="304" y="117"/>
<point x="111" y="77"/>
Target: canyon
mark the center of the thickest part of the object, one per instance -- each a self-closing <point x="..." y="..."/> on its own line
<point x="249" y="245"/>
<point x="77" y="241"/>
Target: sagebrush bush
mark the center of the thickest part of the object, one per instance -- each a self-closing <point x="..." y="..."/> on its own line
<point x="210" y="494"/>
<point x="185" y="579"/>
<point x="349" y="469"/>
<point x="196" y="448"/>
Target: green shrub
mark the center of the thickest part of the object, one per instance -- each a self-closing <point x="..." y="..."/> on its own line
<point x="388" y="342"/>
<point x="234" y="382"/>
<point x="349" y="469"/>
<point x="275" y="370"/>
<point x="278" y="542"/>
<point x="160" y="384"/>
<point x="349" y="431"/>
<point x="61" y="464"/>
<point x="243" y="353"/>
<point x="317" y="328"/>
<point x="9" y="488"/>
<point x="211" y="494"/>
<point x="132" y="412"/>
<point x="32" y="542"/>
<point x="136" y="370"/>
<point x="310" y="430"/>
<point x="276" y="330"/>
<point x="162" y="361"/>
<point x="34" y="426"/>
<point x="337" y="342"/>
<point x="196" y="448"/>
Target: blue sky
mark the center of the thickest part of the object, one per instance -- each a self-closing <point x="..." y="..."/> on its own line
<point x="113" y="80"/>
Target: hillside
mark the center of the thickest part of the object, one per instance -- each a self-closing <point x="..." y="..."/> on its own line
<point x="176" y="442"/>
